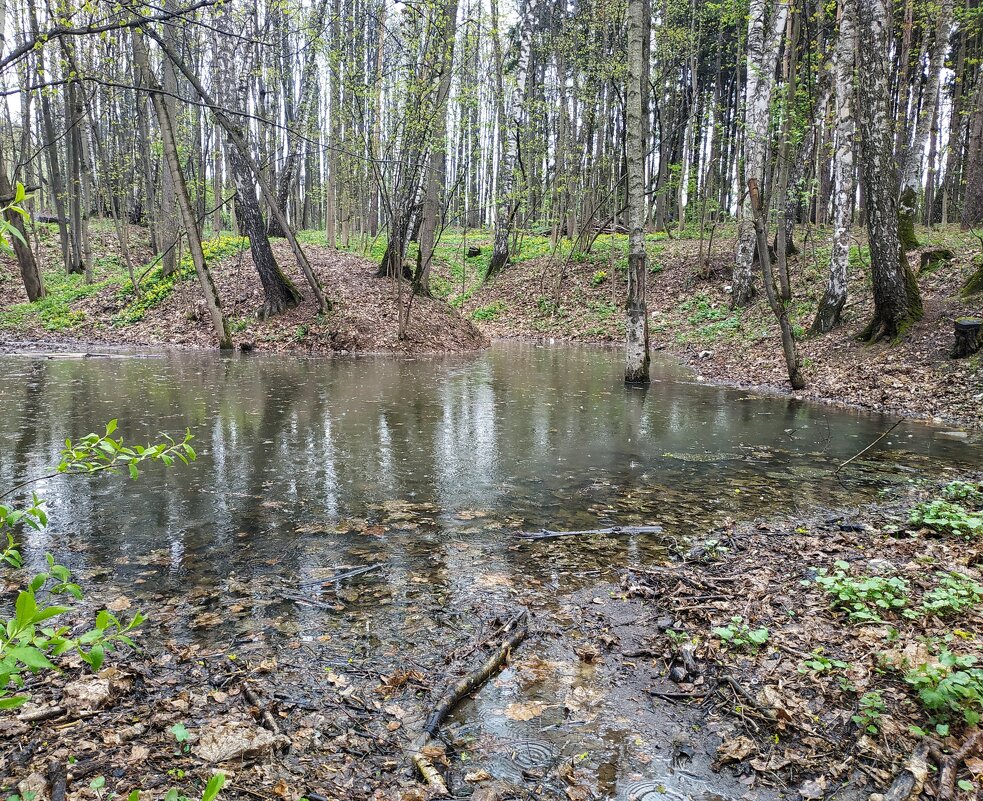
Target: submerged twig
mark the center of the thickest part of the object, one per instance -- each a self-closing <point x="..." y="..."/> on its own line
<point x="344" y="575"/>
<point x="547" y="534"/>
<point x="872" y="444"/>
<point x="516" y="631"/>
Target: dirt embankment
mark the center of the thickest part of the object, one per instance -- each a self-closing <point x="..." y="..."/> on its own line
<point x="363" y="318"/>
<point x="689" y="302"/>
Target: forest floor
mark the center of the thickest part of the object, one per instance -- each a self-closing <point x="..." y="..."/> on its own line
<point x="803" y="657"/>
<point x="548" y="294"/>
<point x="558" y="297"/>
<point x="170" y="310"/>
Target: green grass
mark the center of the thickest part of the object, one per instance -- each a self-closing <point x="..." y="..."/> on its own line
<point x="55" y="311"/>
<point x="157" y="287"/>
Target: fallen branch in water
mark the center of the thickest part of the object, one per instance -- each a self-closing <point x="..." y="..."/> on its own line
<point x="547" y="534"/>
<point x="515" y="632"/>
<point x="343" y="576"/>
<point x="872" y="444"/>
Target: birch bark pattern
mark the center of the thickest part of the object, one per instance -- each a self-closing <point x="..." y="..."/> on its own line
<point x="911" y="161"/>
<point x="636" y="324"/>
<point x="897" y="302"/>
<point x="834" y="298"/>
<point x="764" y="32"/>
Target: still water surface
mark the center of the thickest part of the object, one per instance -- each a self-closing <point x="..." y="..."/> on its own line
<point x="426" y="466"/>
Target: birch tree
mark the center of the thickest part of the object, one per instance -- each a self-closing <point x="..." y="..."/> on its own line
<point x="766" y="23"/>
<point x="834" y="298"/>
<point x="636" y="323"/>
<point x="897" y="301"/>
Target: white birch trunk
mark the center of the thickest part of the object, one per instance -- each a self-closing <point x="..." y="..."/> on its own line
<point x="764" y="34"/>
<point x="828" y="315"/>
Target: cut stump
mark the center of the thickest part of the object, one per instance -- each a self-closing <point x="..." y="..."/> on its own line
<point x="968" y="338"/>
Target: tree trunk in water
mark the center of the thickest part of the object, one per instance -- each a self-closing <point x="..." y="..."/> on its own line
<point x="636" y="324"/>
<point x="897" y="302"/>
<point x="764" y="31"/>
<point x="834" y="298"/>
<point x="181" y="192"/>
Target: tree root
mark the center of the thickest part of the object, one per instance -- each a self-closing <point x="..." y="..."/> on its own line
<point x="950" y="766"/>
<point x="515" y="632"/>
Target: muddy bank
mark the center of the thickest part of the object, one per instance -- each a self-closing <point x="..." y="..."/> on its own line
<point x="363" y="318"/>
<point x="562" y="298"/>
<point x="639" y="684"/>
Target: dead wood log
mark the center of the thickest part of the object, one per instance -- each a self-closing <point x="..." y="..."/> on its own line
<point x="950" y="766"/>
<point x="264" y="710"/>
<point x="910" y="781"/>
<point x="57" y="780"/>
<point x="547" y="534"/>
<point x="515" y="632"/>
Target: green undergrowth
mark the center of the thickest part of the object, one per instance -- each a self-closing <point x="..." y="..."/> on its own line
<point x="54" y="312"/>
<point x="157" y="287"/>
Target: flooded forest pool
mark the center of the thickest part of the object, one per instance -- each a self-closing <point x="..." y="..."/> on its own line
<point x="427" y="469"/>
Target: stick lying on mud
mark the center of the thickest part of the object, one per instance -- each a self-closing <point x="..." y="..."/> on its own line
<point x="515" y="632"/>
<point x="910" y="781"/>
<point x="345" y="574"/>
<point x="547" y="534"/>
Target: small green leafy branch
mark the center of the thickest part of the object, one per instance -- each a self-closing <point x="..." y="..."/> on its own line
<point x="31" y="638"/>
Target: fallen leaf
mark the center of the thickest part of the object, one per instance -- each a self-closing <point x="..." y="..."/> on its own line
<point x="519" y="711"/>
<point x="735" y="750"/>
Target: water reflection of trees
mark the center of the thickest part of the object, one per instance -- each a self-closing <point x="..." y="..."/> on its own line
<point x="545" y="437"/>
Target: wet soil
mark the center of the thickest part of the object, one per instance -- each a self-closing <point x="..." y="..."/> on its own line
<point x="296" y="694"/>
<point x="363" y="318"/>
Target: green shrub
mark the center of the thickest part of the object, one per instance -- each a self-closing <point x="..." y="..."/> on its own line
<point x="25" y="644"/>
<point x="947" y="518"/>
<point x="950" y="687"/>
<point x="870" y="709"/>
<point x="863" y="598"/>
<point x="599" y="278"/>
<point x="964" y="492"/>
<point x="489" y="312"/>
<point x="737" y="634"/>
<point x="954" y="593"/>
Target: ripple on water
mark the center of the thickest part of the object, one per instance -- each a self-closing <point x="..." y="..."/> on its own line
<point x="654" y="790"/>
<point x="528" y="754"/>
